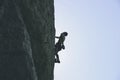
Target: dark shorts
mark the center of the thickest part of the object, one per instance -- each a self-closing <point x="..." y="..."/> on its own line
<point x="57" y="48"/>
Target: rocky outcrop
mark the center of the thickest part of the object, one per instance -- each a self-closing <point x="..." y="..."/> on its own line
<point x="26" y="39"/>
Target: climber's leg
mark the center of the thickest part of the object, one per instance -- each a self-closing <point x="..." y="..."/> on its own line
<point x="57" y="60"/>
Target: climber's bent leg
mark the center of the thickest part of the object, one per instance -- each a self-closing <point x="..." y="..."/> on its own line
<point x="57" y="60"/>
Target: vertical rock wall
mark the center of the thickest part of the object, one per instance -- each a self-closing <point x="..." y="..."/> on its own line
<point x="26" y="39"/>
<point x="39" y="19"/>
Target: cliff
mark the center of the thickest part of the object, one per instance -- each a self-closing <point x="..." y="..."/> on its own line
<point x="26" y="39"/>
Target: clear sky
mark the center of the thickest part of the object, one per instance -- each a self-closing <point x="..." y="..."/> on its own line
<point x="93" y="44"/>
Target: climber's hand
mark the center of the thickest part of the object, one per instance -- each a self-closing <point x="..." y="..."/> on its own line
<point x="63" y="47"/>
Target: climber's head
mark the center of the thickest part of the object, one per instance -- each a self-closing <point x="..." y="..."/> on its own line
<point x="65" y="33"/>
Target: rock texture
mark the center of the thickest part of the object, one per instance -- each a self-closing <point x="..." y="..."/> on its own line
<point x="26" y="39"/>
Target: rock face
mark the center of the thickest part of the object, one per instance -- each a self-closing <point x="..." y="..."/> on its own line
<point x="26" y="39"/>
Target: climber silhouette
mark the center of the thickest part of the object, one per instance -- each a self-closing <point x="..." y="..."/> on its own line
<point x="59" y="46"/>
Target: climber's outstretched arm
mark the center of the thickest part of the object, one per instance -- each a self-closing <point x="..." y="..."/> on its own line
<point x="57" y="37"/>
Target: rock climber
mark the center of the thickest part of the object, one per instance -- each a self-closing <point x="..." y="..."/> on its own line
<point x="59" y="46"/>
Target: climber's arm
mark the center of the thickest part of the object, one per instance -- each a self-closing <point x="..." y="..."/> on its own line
<point x="57" y="37"/>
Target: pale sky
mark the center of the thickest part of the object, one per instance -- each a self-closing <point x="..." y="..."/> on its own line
<point x="93" y="44"/>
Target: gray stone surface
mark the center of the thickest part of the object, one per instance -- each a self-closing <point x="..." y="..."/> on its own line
<point x="26" y="39"/>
